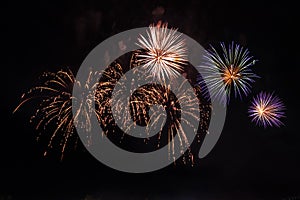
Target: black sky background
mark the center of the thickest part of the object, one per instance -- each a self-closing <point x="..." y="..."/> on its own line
<point x="248" y="162"/>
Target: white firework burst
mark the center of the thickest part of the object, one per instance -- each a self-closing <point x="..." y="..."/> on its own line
<point x="165" y="52"/>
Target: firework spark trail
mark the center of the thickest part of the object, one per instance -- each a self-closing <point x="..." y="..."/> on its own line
<point x="227" y="71"/>
<point x="141" y="103"/>
<point x="55" y="110"/>
<point x="267" y="110"/>
<point x="152" y="94"/>
<point x="103" y="95"/>
<point x="166" y="52"/>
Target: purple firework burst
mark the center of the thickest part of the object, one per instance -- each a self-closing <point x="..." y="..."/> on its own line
<point x="266" y="109"/>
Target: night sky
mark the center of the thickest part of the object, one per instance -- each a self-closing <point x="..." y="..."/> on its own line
<point x="248" y="162"/>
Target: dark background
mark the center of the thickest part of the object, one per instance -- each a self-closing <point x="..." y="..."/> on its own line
<point x="248" y="162"/>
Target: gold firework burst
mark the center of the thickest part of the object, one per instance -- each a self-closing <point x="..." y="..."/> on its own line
<point x="55" y="109"/>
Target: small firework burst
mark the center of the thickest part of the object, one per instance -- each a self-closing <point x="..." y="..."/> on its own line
<point x="227" y="71"/>
<point x="267" y="110"/>
<point x="55" y="109"/>
<point x="165" y="52"/>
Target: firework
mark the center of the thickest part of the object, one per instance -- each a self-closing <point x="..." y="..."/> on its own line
<point x="103" y="94"/>
<point x="151" y="105"/>
<point x="159" y="110"/>
<point x="227" y="71"/>
<point x="55" y="109"/>
<point x="267" y="110"/>
<point x="165" y="52"/>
